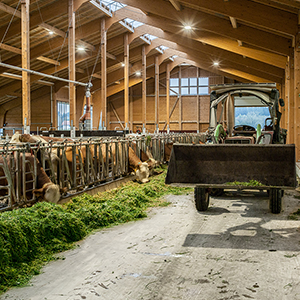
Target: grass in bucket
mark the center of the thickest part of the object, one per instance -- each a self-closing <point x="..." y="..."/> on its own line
<point x="29" y="237"/>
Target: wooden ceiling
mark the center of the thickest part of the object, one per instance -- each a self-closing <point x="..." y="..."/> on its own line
<point x="251" y="40"/>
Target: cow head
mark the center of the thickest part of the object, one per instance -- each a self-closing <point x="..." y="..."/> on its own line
<point x="50" y="192"/>
<point x="16" y="138"/>
<point x="142" y="172"/>
<point x="152" y="163"/>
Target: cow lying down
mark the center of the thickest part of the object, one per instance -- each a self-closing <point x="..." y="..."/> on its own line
<point x="44" y="189"/>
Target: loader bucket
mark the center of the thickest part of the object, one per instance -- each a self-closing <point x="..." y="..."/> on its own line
<point x="272" y="165"/>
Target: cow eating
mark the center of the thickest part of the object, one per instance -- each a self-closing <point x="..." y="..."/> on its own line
<point x="44" y="189"/>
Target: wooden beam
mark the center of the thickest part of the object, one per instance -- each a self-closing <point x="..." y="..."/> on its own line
<point x="116" y="115"/>
<point x="80" y="70"/>
<point x="49" y="60"/>
<point x="233" y="22"/>
<point x="10" y="48"/>
<point x="53" y="29"/>
<point x="212" y="23"/>
<point x="198" y="103"/>
<point x="144" y="86"/>
<point x="290" y="99"/>
<point x="297" y="96"/>
<point x="48" y="12"/>
<point x="278" y="20"/>
<point x="61" y="33"/>
<point x="95" y="75"/>
<point x="168" y="95"/>
<point x="126" y="81"/>
<point x="72" y="65"/>
<point x="156" y="92"/>
<point x="10" y="10"/>
<point x="176" y="5"/>
<point x="11" y="76"/>
<point x="81" y="43"/>
<point x="180" y="101"/>
<point x="26" y="105"/>
<point x="44" y="82"/>
<point x="103" y="71"/>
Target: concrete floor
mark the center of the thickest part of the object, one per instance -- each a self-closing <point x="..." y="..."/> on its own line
<point x="235" y="250"/>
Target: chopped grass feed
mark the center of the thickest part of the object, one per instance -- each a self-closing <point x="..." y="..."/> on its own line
<point x="29" y="237"/>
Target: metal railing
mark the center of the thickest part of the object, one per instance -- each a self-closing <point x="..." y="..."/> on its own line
<point x="75" y="165"/>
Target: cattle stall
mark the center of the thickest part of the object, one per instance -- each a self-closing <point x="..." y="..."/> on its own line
<point x="74" y="165"/>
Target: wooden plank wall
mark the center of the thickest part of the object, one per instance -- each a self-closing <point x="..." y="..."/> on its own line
<point x="188" y="105"/>
<point x="41" y="106"/>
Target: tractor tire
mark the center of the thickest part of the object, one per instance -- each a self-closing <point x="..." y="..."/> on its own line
<point x="201" y="199"/>
<point x="275" y="201"/>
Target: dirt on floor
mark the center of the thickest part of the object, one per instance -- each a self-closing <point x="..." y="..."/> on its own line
<point x="235" y="250"/>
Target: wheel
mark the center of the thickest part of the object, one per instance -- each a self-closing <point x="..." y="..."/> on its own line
<point x="275" y="200"/>
<point x="201" y="199"/>
<point x="216" y="192"/>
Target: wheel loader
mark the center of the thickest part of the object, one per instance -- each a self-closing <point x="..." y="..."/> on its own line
<point x="237" y="156"/>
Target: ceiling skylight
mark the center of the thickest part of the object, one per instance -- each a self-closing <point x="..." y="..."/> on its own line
<point x="112" y="5"/>
<point x="133" y="23"/>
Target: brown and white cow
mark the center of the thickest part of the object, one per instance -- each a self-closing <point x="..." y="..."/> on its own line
<point x="140" y="168"/>
<point x="34" y="139"/>
<point x="45" y="189"/>
<point x="146" y="157"/>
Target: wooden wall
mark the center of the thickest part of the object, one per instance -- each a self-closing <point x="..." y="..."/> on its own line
<point x="184" y="116"/>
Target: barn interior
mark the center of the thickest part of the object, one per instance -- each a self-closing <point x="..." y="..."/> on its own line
<point x="98" y="93"/>
<point x="150" y="63"/>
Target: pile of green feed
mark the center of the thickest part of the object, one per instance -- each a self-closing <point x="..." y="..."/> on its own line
<point x="250" y="183"/>
<point x="30" y="236"/>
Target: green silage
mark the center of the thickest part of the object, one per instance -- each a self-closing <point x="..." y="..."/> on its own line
<point x="30" y="236"/>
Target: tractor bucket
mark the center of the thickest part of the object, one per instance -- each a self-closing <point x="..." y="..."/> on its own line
<point x="271" y="165"/>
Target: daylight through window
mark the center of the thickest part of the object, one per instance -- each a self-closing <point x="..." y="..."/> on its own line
<point x="189" y="86"/>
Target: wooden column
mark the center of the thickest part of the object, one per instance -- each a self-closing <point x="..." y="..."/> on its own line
<point x="290" y="98"/>
<point x="144" y="87"/>
<point x="180" y="102"/>
<point x="297" y="95"/>
<point x="54" y="108"/>
<point x="103" y="72"/>
<point x="131" y="109"/>
<point x="72" y="65"/>
<point x="126" y="81"/>
<point x="283" y="109"/>
<point x="156" y="92"/>
<point x="25" y="29"/>
<point x="168" y="94"/>
<point x="198" y="102"/>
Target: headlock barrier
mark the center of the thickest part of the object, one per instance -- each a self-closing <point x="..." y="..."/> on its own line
<point x="74" y="165"/>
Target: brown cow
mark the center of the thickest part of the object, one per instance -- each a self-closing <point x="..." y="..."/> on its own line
<point x="45" y="189"/>
<point x="140" y="168"/>
<point x="152" y="163"/>
<point x="34" y="139"/>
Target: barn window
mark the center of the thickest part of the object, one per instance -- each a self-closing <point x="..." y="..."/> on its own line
<point x="203" y="86"/>
<point x="189" y="86"/>
<point x="63" y="115"/>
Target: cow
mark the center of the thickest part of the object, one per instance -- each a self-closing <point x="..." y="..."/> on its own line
<point x="45" y="188"/>
<point x="146" y="157"/>
<point x="140" y="168"/>
<point x="36" y="139"/>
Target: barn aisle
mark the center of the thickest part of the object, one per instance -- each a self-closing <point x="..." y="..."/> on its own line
<point x="235" y="250"/>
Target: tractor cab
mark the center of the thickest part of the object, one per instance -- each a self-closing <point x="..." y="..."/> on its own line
<point x="226" y="127"/>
